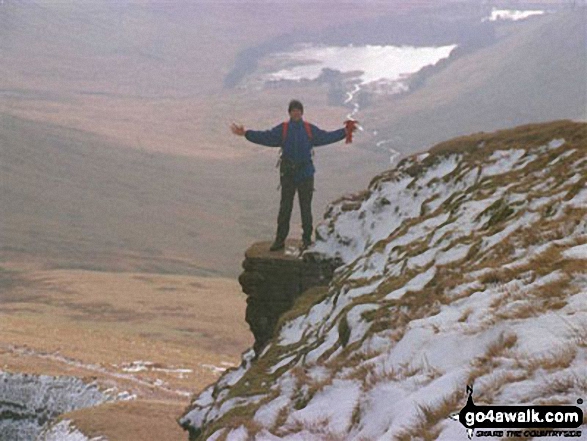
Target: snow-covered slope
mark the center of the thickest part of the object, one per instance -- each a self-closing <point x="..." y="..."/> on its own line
<point x="464" y="265"/>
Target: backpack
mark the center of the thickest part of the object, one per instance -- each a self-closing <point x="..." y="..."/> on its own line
<point x="288" y="168"/>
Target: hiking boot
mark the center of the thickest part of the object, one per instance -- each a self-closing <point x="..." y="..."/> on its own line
<point x="277" y="245"/>
<point x="305" y="245"/>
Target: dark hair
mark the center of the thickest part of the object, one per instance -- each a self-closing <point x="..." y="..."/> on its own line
<point x="295" y="104"/>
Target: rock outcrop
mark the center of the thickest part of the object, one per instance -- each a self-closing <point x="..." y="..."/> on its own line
<point x="29" y="402"/>
<point x="273" y="280"/>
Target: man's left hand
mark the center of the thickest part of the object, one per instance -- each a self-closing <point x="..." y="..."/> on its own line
<point x="350" y="126"/>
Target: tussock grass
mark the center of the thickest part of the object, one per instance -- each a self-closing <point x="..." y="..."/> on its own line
<point x="555" y="360"/>
<point x="519" y="311"/>
<point x="422" y="368"/>
<point x="281" y="419"/>
<point x="568" y="383"/>
<point x="238" y="416"/>
<point x="555" y="290"/>
<point x="418" y="434"/>
<point x="316" y="427"/>
<point x="483" y="364"/>
<point x="580" y="335"/>
<point x="497" y="382"/>
<point x="349" y="202"/>
<point x="376" y="376"/>
<point x="529" y="136"/>
<point x="307" y="387"/>
<point x="432" y="414"/>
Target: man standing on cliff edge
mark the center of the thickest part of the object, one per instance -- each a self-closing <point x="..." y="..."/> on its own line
<point x="296" y="137"/>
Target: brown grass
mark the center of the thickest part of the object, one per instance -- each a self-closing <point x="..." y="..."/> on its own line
<point x="571" y="382"/>
<point x="580" y="335"/>
<point x="429" y="417"/>
<point x="131" y="421"/>
<point x="60" y="323"/>
<point x="555" y="360"/>
<point x="497" y="382"/>
<point x="318" y="427"/>
<point x="483" y="364"/>
<point x="530" y="135"/>
<point x="281" y="419"/>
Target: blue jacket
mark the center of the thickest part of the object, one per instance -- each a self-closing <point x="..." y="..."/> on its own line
<point x="297" y="146"/>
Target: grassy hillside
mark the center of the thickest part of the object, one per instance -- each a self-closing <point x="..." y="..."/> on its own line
<point x="465" y="265"/>
<point x="143" y="339"/>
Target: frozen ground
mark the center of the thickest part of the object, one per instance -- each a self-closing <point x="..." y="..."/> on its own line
<point x="29" y="402"/>
<point x="464" y="266"/>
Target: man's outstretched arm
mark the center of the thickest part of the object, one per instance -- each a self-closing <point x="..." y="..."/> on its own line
<point x="269" y="138"/>
<point x="322" y="137"/>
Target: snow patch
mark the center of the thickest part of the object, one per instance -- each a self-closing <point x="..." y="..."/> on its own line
<point x="512" y="15"/>
<point x="65" y="431"/>
<point x="335" y="419"/>
<point x="579" y="200"/>
<point x="578" y="252"/>
<point x="416" y="284"/>
<point x="504" y="161"/>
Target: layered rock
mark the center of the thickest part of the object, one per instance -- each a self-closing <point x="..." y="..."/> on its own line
<point x="273" y="280"/>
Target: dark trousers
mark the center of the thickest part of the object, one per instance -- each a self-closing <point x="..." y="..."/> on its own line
<point x="305" y="191"/>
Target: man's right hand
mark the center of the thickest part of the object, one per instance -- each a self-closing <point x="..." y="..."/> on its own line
<point x="238" y="130"/>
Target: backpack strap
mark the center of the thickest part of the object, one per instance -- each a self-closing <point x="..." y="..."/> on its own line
<point x="308" y="130"/>
<point x="310" y="136"/>
<point x="285" y="127"/>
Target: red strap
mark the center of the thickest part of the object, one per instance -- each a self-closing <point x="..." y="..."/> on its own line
<point x="284" y="132"/>
<point x="308" y="129"/>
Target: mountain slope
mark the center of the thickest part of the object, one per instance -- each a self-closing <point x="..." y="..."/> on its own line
<point x="534" y="72"/>
<point x="465" y="265"/>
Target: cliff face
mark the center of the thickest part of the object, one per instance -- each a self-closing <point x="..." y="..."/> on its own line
<point x="273" y="280"/>
<point x="464" y="265"/>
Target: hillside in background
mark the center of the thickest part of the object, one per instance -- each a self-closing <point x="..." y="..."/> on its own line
<point x="115" y="149"/>
<point x="464" y="265"/>
<point x="533" y="72"/>
<point x="71" y="200"/>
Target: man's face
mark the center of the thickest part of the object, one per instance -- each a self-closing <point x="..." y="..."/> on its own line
<point x="295" y="114"/>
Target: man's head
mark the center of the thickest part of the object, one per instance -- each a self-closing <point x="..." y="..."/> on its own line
<point x="295" y="110"/>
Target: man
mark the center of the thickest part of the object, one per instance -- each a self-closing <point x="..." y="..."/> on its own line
<point x="297" y="138"/>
